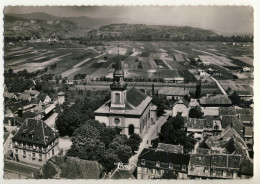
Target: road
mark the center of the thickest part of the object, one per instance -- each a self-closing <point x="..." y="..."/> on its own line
<point x="151" y="134"/>
<point x="219" y="86"/>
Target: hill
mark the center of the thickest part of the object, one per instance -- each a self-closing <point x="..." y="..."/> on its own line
<point x="142" y="32"/>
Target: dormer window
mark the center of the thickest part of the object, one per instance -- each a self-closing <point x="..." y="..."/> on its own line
<point x="143" y="162"/>
<point x="157" y="164"/>
<point x="170" y="165"/>
<point x="23" y="134"/>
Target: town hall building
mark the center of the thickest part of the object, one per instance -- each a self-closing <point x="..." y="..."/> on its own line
<point x="131" y="110"/>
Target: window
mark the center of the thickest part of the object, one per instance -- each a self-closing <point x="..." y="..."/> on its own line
<point x="117" y="100"/>
<point x="183" y="167"/>
<point x="143" y="162"/>
<point x="33" y="156"/>
<point x="23" y="135"/>
<point x="24" y="154"/>
<point x="53" y="151"/>
<point x="224" y="173"/>
<point x="40" y="157"/>
<point x="16" y="151"/>
<point x="214" y="172"/>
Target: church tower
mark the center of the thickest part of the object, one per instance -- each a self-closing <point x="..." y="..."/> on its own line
<point x="118" y="87"/>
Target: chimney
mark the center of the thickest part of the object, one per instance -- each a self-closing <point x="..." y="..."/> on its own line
<point x="20" y="112"/>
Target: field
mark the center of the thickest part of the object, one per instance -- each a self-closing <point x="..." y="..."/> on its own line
<point x="140" y="60"/>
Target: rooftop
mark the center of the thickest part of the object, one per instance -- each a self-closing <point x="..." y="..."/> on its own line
<point x="227" y="110"/>
<point x="41" y="133"/>
<point x="72" y="168"/>
<point x="215" y="100"/>
<point x="173" y="91"/>
<point x="136" y="102"/>
<point x="163" y="156"/>
<point x="170" y="148"/>
<point x="182" y="101"/>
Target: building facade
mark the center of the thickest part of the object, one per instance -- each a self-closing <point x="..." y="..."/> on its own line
<point x="34" y="143"/>
<point x="131" y="110"/>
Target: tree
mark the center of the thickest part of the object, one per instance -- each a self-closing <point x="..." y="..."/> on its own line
<point x="134" y="142"/>
<point x="198" y="89"/>
<point x="68" y="121"/>
<point x="195" y="112"/>
<point x="109" y="159"/>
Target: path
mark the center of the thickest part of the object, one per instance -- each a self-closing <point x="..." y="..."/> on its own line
<point x="150" y="134"/>
<point x="219" y="86"/>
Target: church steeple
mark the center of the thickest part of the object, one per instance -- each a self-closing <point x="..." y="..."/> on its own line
<point x="118" y="87"/>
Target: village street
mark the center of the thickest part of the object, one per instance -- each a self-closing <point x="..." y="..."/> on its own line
<point x="151" y="134"/>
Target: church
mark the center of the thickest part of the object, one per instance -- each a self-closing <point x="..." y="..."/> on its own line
<point x="129" y="109"/>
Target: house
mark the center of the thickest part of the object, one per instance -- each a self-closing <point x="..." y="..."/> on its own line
<point x="32" y="93"/>
<point x="44" y="98"/>
<point x="246" y="169"/>
<point x="210" y="111"/>
<point x="153" y="163"/>
<point x="215" y="101"/>
<point x="195" y="126"/>
<point x="173" y="92"/>
<point x="61" y="97"/>
<point x="10" y="95"/>
<point x="212" y="126"/>
<point x="34" y="143"/>
<point x="181" y="107"/>
<point x="25" y="97"/>
<point x="216" y="166"/>
<point x="62" y="167"/>
<point x="7" y="144"/>
<point x="121" y="174"/>
<point x="249" y="136"/>
<point x="246" y="119"/>
<point x="170" y="148"/>
<point x="228" y="119"/>
<point x="128" y="109"/>
<point x="227" y="111"/>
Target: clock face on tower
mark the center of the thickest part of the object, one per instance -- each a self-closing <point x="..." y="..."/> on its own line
<point x="117" y="121"/>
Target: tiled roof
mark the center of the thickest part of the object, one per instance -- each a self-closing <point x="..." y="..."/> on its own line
<point x="227" y="110"/>
<point x="214" y="142"/>
<point x="215" y="100"/>
<point x="122" y="174"/>
<point x="182" y="101"/>
<point x="136" y="102"/>
<point x="200" y="160"/>
<point x="9" y="95"/>
<point x="42" y="133"/>
<point x="31" y="92"/>
<point x="135" y="96"/>
<point x="244" y="111"/>
<point x="173" y="91"/>
<point x="166" y="157"/>
<point x="227" y="120"/>
<point x="42" y="96"/>
<point x="210" y="111"/>
<point x="247" y="167"/>
<point x="24" y="96"/>
<point x="72" y="168"/>
<point x="194" y="123"/>
<point x="246" y="117"/>
<point x="208" y="123"/>
<point x="248" y="131"/>
<point x="61" y="93"/>
<point x="170" y="148"/>
<point x="206" y="151"/>
<point x="27" y="114"/>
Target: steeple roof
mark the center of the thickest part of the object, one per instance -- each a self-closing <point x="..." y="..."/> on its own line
<point x="118" y="68"/>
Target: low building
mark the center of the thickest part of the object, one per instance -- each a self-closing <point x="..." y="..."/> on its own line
<point x="34" y="143"/>
<point x="181" y="107"/>
<point x="32" y="93"/>
<point x="62" y="167"/>
<point x="215" y="101"/>
<point x="216" y="166"/>
<point x="153" y="163"/>
<point x="25" y="97"/>
<point x="44" y="98"/>
<point x="173" y="92"/>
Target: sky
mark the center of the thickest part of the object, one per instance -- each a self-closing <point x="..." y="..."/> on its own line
<point x="223" y="19"/>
